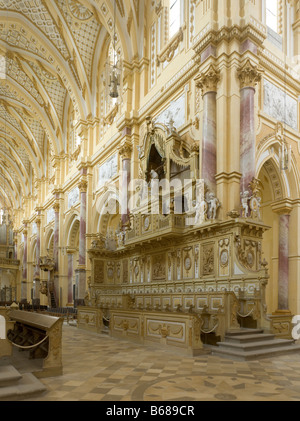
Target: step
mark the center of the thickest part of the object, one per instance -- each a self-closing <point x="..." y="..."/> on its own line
<point x="252" y="346"/>
<point x="257" y="354"/>
<point x="243" y="331"/>
<point x="8" y="375"/>
<point x="249" y="337"/>
<point x="24" y="388"/>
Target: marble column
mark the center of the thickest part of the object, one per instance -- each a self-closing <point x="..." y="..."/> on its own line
<point x="249" y="76"/>
<point x="207" y="82"/>
<point x="81" y="271"/>
<point x="56" y="208"/>
<point x="283" y="263"/>
<point x="125" y="153"/>
<point x="82" y="229"/>
<point x="70" y="254"/>
<point x="36" y="295"/>
<point x="15" y="246"/>
<point x="24" y="273"/>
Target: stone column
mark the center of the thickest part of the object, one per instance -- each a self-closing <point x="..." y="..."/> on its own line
<point x="37" y="281"/>
<point x="55" y="252"/>
<point x="15" y="245"/>
<point x="70" y="254"/>
<point x="283" y="263"/>
<point x="207" y="82"/>
<point x="81" y="271"/>
<point x="125" y="153"/>
<point x="249" y="76"/>
<point x="283" y="209"/>
<point x="24" y="273"/>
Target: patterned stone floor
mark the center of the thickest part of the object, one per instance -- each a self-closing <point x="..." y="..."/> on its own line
<point x="100" y="368"/>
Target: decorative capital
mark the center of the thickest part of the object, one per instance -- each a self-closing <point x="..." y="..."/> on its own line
<point x="56" y="207"/>
<point x="125" y="150"/>
<point x="283" y="207"/>
<point x="83" y="186"/>
<point x="208" y="81"/>
<point x="38" y="221"/>
<point x="249" y="75"/>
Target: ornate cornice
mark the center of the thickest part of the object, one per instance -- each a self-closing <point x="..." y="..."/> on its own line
<point x="254" y="30"/>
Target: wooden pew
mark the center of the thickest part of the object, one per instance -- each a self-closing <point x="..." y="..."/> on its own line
<point x="41" y="335"/>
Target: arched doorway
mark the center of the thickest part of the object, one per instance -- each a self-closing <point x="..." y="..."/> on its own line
<point x="280" y="245"/>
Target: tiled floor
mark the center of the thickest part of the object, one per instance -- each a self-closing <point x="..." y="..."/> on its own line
<point x="100" y="368"/>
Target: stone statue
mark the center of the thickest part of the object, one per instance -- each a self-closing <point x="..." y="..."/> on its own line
<point x="214" y="204"/>
<point x="245" y="204"/>
<point x="201" y="211"/>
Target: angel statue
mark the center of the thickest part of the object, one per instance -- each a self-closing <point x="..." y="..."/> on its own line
<point x="214" y="204"/>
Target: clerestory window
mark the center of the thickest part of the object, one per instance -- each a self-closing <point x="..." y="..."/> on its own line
<point x="174" y="17"/>
<point x="272" y="15"/>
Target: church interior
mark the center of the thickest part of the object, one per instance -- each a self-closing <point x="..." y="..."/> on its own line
<point x="149" y="200"/>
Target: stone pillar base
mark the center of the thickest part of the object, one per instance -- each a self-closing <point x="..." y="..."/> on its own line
<point x="281" y="324"/>
<point x="80" y="276"/>
<point x="36" y="302"/>
<point x="281" y="312"/>
<point x="78" y="302"/>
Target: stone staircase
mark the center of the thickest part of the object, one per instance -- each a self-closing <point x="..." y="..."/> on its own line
<point x="253" y="344"/>
<point x="15" y="386"/>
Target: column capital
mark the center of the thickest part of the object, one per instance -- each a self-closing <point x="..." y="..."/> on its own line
<point x="38" y="221"/>
<point x="56" y="206"/>
<point x="83" y="184"/>
<point x="125" y="150"/>
<point x="70" y="250"/>
<point x="249" y="75"/>
<point x="209" y="80"/>
<point x="283" y="207"/>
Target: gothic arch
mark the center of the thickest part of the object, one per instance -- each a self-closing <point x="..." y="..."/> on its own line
<point x="269" y="157"/>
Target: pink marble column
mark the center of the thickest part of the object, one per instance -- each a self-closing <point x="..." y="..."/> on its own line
<point x="70" y="276"/>
<point x="208" y="82"/>
<point x="36" y="294"/>
<point x="125" y="153"/>
<point x="247" y="138"/>
<point x="283" y="263"/>
<point x="24" y="274"/>
<point x="55" y="252"/>
<point x="82" y="229"/>
<point x="15" y="246"/>
<point x="249" y="76"/>
<point x="209" y="156"/>
<point x="81" y="271"/>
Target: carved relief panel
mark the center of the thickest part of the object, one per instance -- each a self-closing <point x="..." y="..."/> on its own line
<point x="196" y="260"/>
<point x="159" y="267"/>
<point x="208" y="259"/>
<point x="223" y="255"/>
<point x="187" y="262"/>
<point x="98" y="271"/>
<point x="110" y="271"/>
<point x="125" y="271"/>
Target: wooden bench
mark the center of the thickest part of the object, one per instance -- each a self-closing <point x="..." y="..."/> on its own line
<point x="41" y="335"/>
